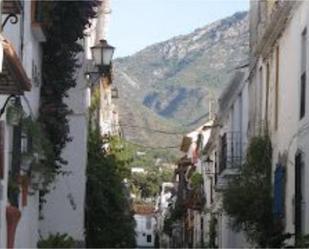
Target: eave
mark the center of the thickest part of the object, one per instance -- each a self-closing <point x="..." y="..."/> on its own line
<point x="13" y="78"/>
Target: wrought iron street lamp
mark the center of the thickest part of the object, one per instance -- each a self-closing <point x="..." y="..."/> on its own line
<point x="102" y="55"/>
<point x="14" y="110"/>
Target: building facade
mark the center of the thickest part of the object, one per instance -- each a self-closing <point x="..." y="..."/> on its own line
<point x="21" y="54"/>
<point x="224" y="155"/>
<point x="69" y="193"/>
<point x="279" y="68"/>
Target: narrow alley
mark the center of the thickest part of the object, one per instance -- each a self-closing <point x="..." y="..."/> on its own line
<point x="154" y="124"/>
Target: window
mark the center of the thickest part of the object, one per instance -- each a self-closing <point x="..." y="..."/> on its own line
<point x="278" y="205"/>
<point x="303" y="95"/>
<point x="211" y="193"/>
<point x="298" y="219"/>
<point x="259" y="97"/>
<point x="149" y="238"/>
<point x="223" y="157"/>
<point x="303" y="77"/>
<point x="267" y="93"/>
<point x="277" y="89"/>
<point x="2" y="134"/>
<point x="148" y="223"/>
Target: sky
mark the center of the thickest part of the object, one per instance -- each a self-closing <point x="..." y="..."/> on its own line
<point x="136" y="24"/>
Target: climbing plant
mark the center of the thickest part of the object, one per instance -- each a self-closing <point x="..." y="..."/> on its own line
<point x="174" y="215"/>
<point x="196" y="180"/>
<point x="109" y="219"/>
<point x="64" y="24"/>
<point x="248" y="199"/>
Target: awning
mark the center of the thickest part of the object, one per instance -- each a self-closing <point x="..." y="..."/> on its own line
<point x="13" y="78"/>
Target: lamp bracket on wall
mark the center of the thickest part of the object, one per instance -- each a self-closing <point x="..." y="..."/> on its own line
<point x="2" y="110"/>
<point x="12" y="17"/>
<point x="92" y="77"/>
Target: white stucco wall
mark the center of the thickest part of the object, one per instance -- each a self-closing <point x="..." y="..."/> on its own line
<point x="292" y="134"/>
<point x="235" y="120"/>
<point x="142" y="231"/>
<point x="229" y="238"/>
<point x="27" y="229"/>
<point x="64" y="210"/>
<point x="4" y="181"/>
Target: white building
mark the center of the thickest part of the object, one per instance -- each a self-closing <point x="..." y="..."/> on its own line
<point x="279" y="67"/>
<point x="225" y="152"/>
<point x="69" y="190"/>
<point x="22" y="60"/>
<point x="145" y="230"/>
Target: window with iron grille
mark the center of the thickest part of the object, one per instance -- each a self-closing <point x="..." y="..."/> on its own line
<point x="149" y="238"/>
<point x="303" y="74"/>
<point x="303" y="95"/>
<point x="223" y="153"/>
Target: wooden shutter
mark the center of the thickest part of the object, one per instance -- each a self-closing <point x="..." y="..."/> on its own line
<point x="1" y="149"/>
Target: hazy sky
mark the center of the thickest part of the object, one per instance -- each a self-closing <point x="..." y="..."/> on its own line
<point x="136" y="24"/>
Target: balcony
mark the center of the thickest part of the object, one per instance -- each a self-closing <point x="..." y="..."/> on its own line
<point x="231" y="155"/>
<point x="195" y="199"/>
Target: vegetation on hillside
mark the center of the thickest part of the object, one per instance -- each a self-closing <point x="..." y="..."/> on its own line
<point x="175" y="78"/>
<point x="147" y="185"/>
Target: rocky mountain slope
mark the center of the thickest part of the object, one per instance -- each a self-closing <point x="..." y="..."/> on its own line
<point x="168" y="85"/>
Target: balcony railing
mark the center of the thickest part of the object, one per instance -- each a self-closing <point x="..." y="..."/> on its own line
<point x="231" y="151"/>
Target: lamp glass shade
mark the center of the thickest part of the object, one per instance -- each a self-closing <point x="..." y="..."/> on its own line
<point x="102" y="54"/>
<point x="97" y="55"/>
<point x="108" y="52"/>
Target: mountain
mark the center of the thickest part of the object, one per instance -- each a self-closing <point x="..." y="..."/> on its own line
<point x="168" y="85"/>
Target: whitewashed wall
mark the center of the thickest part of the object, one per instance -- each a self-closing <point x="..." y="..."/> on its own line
<point x="27" y="229"/>
<point x="142" y="231"/>
<point x="64" y="210"/>
<point x="292" y="134"/>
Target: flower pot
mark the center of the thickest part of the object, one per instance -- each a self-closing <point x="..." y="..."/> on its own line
<point x="12" y="218"/>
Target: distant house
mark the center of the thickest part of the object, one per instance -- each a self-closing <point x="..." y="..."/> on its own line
<point x="137" y="170"/>
<point x="145" y="225"/>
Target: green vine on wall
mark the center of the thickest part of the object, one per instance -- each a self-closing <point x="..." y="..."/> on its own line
<point x="65" y="24"/>
<point x="248" y="197"/>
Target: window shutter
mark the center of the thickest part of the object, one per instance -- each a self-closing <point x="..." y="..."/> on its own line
<point x="1" y="149"/>
<point x="278" y="208"/>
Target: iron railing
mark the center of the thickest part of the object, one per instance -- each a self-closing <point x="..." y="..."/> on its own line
<point x="231" y="151"/>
